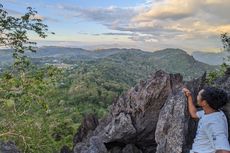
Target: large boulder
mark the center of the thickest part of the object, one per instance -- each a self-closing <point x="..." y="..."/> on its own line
<point x="175" y="129"/>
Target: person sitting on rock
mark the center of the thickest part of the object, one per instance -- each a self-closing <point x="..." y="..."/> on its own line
<point x="212" y="131"/>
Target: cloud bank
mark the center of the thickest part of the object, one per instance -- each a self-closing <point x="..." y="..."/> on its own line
<point x="165" y="21"/>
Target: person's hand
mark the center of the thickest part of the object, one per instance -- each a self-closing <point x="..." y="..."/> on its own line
<point x="186" y="92"/>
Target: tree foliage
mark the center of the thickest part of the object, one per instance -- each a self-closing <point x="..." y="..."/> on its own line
<point x="24" y="87"/>
<point x="226" y="41"/>
<point x="225" y="38"/>
<point x="14" y="33"/>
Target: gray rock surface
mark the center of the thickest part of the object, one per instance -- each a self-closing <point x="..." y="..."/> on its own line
<point x="89" y="123"/>
<point x="8" y="147"/>
<point x="175" y="129"/>
<point x="172" y="124"/>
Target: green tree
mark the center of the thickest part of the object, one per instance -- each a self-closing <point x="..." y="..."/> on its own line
<point x="226" y="41"/>
<point x="14" y="33"/>
<point x="225" y="38"/>
<point x="226" y="44"/>
<point x="25" y="88"/>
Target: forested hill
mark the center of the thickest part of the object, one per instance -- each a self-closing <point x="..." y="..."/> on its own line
<point x="142" y="62"/>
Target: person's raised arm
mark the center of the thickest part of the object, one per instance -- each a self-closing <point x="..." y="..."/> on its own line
<point x="191" y="107"/>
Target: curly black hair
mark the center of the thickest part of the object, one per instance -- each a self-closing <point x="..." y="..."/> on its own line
<point x="216" y="98"/>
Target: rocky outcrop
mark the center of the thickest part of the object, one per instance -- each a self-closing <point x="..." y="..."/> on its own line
<point x="172" y="125"/>
<point x="150" y="117"/>
<point x="89" y="123"/>
<point x="8" y="147"/>
<point x="175" y="129"/>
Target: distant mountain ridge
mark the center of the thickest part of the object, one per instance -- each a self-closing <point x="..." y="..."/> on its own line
<point x="210" y="58"/>
<point x="83" y="54"/>
<point x="62" y="52"/>
<point x="170" y="60"/>
<point x="142" y="63"/>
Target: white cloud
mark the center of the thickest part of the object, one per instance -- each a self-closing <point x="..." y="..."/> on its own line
<point x="166" y="23"/>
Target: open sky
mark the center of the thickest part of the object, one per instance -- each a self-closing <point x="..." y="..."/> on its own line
<point x="193" y="25"/>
